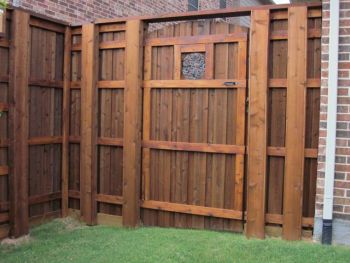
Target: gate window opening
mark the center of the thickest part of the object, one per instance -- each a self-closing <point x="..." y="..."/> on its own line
<point x="193" y="65"/>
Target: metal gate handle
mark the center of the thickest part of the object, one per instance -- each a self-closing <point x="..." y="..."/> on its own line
<point x="230" y="83"/>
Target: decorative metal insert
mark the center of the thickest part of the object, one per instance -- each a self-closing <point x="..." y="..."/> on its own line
<point x="193" y="65"/>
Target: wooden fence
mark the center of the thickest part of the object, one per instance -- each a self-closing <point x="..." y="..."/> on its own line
<point x="31" y="95"/>
<point x="99" y="120"/>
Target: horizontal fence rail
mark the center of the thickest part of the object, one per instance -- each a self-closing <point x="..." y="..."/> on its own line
<point x="100" y="121"/>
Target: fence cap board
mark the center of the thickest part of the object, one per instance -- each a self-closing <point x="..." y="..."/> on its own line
<point x="205" y="14"/>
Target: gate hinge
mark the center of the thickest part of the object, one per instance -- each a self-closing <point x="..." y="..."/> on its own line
<point x="247" y="105"/>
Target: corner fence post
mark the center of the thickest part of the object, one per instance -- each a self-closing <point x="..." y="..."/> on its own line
<point x="18" y="124"/>
<point x="88" y="148"/>
<point x="257" y="119"/>
<point x="132" y="123"/>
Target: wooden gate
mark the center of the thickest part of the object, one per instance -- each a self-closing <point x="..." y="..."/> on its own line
<point x="194" y="125"/>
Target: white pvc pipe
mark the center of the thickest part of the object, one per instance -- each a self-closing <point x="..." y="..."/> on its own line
<point x="331" y="110"/>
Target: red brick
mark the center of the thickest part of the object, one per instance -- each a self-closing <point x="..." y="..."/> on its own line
<point x="347" y="209"/>
<point x="339" y="192"/>
<point x="342" y="184"/>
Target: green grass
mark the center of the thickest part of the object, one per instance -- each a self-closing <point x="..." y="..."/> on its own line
<point x="55" y="242"/>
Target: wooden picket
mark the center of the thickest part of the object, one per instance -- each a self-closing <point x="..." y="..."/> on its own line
<point x="4" y="136"/>
<point x="106" y="125"/>
<point x="65" y="115"/>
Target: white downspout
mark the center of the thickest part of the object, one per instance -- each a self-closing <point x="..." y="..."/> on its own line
<point x="331" y="122"/>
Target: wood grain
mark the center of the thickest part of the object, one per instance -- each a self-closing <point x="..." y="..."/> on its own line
<point x="295" y="130"/>
<point x="19" y="72"/>
<point x="257" y="134"/>
<point x="66" y="113"/>
<point x="132" y="125"/>
<point x="88" y="148"/>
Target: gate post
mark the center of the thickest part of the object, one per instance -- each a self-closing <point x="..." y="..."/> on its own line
<point x="18" y="96"/>
<point x="257" y="130"/>
<point x="132" y="123"/>
<point x="295" y="130"/>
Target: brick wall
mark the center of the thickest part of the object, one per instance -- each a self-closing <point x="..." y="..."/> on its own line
<point x="78" y="11"/>
<point x="342" y="176"/>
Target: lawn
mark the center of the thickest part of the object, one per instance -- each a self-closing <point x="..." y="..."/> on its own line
<point x="68" y="241"/>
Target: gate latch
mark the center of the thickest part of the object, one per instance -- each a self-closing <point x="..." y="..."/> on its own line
<point x="230" y="83"/>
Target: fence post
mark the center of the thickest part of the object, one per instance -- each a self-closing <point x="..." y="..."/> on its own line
<point x="18" y="124"/>
<point x="88" y="148"/>
<point x="257" y="131"/>
<point x="295" y="126"/>
<point x="66" y="101"/>
<point x="132" y="123"/>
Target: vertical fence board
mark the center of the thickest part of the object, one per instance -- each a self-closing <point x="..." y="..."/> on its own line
<point x="218" y="126"/>
<point x="66" y="101"/>
<point x="257" y="133"/>
<point x="295" y="134"/>
<point x="88" y="152"/>
<point x="240" y="127"/>
<point x="133" y="123"/>
<point x="4" y="131"/>
<point x="19" y="71"/>
<point x="146" y="123"/>
<point x="75" y="122"/>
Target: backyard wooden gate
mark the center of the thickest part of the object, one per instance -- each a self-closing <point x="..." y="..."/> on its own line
<point x="194" y="125"/>
<point x="200" y="124"/>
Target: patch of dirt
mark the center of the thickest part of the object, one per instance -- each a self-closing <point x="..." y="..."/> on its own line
<point x="72" y="223"/>
<point x="15" y="242"/>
